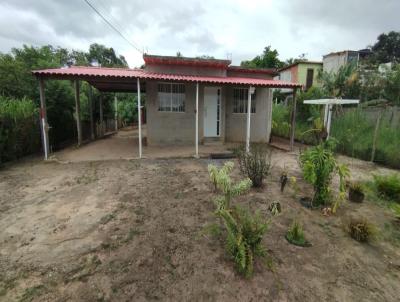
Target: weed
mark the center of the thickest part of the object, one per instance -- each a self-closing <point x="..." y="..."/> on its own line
<point x="388" y="186"/>
<point x="212" y="229"/>
<point x="356" y="191"/>
<point x="360" y="229"/>
<point x="295" y="234"/>
<point x="256" y="163"/>
<point x="107" y="218"/>
<point x="275" y="208"/>
<point x="32" y="292"/>
<point x="283" y="179"/>
<point x="131" y="234"/>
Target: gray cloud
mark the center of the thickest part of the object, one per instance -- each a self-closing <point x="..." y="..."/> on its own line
<point x="216" y="28"/>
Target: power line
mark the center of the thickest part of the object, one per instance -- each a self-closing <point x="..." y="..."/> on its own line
<point x="112" y="26"/>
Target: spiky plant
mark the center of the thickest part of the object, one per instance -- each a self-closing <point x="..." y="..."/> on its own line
<point x="361" y="229"/>
<point x="256" y="163"/>
<point x="295" y="234"/>
<point x="223" y="182"/>
<point x="216" y="173"/>
<point x="244" y="236"/>
<point x="319" y="166"/>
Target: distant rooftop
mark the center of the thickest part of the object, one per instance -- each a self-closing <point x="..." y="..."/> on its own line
<point x="338" y="53"/>
<point x="174" y="60"/>
<point x="300" y="62"/>
<point x="272" y="71"/>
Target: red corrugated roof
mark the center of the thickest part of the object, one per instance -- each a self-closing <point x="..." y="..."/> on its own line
<point x="80" y="72"/>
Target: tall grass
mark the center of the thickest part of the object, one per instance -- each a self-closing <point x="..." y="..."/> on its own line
<point x="281" y="125"/>
<point x="353" y="130"/>
<point x="19" y="128"/>
<point x="355" y="134"/>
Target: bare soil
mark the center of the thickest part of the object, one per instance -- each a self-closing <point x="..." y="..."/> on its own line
<point x="135" y="230"/>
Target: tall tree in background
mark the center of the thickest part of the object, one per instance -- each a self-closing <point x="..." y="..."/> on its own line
<point x="300" y="58"/>
<point x="106" y="57"/>
<point x="268" y="59"/>
<point x="17" y="82"/>
<point x="387" y="48"/>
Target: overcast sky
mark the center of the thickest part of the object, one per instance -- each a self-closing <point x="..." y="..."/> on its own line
<point x="238" y="29"/>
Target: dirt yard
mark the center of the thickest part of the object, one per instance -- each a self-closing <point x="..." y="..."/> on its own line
<point x="135" y="230"/>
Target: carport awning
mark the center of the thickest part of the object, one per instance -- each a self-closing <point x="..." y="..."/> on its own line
<point x="124" y="79"/>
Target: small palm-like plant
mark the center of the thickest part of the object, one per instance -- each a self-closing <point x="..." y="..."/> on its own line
<point x="244" y="236"/>
<point x="222" y="182"/>
<point x="319" y="166"/>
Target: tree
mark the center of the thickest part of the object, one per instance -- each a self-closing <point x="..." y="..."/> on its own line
<point x="392" y="87"/>
<point x="268" y="59"/>
<point x="387" y="48"/>
<point x="17" y="82"/>
<point x="300" y="58"/>
<point x="106" y="57"/>
<point x="343" y="83"/>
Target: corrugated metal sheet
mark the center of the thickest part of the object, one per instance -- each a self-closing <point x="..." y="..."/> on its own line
<point x="78" y="72"/>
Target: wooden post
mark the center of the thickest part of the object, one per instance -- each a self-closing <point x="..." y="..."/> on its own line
<point x="139" y="118"/>
<point x="101" y="115"/>
<point x="91" y="112"/>
<point x="78" y="112"/>
<point x="116" y="112"/>
<point x="43" y="120"/>
<point x="293" y="121"/>
<point x="378" y="121"/>
<point x="197" y="121"/>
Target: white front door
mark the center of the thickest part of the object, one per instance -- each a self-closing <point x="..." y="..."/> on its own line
<point x="212" y="111"/>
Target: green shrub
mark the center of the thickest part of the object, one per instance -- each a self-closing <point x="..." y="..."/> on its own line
<point x="280" y="120"/>
<point x="295" y="234"/>
<point x="360" y="229"/>
<point x="256" y="163"/>
<point x="244" y="235"/>
<point x="19" y="128"/>
<point x="388" y="186"/>
<point x="319" y="166"/>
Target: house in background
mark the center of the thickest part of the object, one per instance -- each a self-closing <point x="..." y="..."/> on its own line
<point x="334" y="60"/>
<point x="304" y="73"/>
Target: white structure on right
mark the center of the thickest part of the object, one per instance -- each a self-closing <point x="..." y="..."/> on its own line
<point x="328" y="109"/>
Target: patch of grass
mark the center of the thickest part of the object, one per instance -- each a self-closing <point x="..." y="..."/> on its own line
<point x="107" y="218"/>
<point x="212" y="229"/>
<point x="6" y="285"/>
<point x="32" y="292"/>
<point x="131" y="234"/>
<point x="388" y="186"/>
<point x="295" y="234"/>
<point x="391" y="232"/>
<point x="87" y="268"/>
<point x="361" y="229"/>
<point x="87" y="178"/>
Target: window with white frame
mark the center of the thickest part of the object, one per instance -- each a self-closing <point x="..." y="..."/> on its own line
<point x="171" y="97"/>
<point x="240" y="97"/>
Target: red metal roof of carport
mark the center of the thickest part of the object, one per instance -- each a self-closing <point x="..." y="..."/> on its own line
<point x="121" y="79"/>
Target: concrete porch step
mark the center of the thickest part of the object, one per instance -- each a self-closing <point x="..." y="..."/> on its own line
<point x="212" y="141"/>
